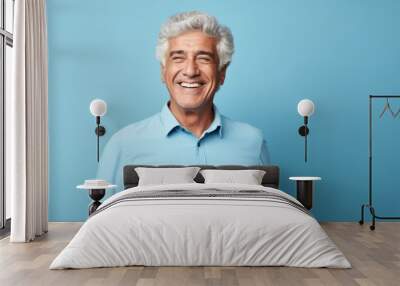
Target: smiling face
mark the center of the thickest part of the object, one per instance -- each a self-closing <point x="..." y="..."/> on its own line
<point x="191" y="71"/>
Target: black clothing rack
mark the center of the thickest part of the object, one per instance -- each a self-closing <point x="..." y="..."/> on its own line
<point x="369" y="205"/>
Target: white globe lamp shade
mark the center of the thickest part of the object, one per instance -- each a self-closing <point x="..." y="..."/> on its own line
<point x="305" y="107"/>
<point x="98" y="107"/>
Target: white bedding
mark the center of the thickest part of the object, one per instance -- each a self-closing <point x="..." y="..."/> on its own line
<point x="200" y="231"/>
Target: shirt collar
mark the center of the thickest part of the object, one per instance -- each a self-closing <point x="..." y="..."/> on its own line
<point x="170" y="123"/>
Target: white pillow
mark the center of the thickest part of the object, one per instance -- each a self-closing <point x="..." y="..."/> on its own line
<point x="248" y="177"/>
<point x="163" y="176"/>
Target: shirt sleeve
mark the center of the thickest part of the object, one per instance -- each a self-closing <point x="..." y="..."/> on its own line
<point x="264" y="155"/>
<point x="109" y="165"/>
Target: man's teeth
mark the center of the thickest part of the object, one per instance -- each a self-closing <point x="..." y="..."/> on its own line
<point x="187" y="84"/>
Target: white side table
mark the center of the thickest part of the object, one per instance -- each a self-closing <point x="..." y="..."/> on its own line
<point x="96" y="193"/>
<point x="305" y="187"/>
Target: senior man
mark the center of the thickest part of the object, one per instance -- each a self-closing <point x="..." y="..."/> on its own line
<point x="194" y="51"/>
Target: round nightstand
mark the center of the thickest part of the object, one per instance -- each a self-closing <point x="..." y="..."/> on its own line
<point x="305" y="186"/>
<point x="96" y="193"/>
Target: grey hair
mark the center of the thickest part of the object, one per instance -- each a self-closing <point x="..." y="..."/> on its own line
<point x="192" y="21"/>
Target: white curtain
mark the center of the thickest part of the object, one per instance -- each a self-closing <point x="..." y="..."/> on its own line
<point x="27" y="124"/>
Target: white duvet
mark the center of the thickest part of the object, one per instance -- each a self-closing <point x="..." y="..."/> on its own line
<point x="200" y="231"/>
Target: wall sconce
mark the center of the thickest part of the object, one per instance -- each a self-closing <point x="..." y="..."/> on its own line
<point x="305" y="108"/>
<point x="98" y="108"/>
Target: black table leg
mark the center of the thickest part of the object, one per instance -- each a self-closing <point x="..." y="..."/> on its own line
<point x="305" y="193"/>
<point x="96" y="195"/>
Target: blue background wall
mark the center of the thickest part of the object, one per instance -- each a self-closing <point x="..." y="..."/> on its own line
<point x="333" y="52"/>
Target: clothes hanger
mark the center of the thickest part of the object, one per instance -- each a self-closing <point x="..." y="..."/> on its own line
<point x="387" y="107"/>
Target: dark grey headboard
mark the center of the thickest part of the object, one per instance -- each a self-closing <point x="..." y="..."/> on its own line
<point x="271" y="177"/>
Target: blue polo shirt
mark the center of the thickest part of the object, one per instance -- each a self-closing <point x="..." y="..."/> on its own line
<point x="161" y="140"/>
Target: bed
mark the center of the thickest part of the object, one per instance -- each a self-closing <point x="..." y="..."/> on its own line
<point x="198" y="224"/>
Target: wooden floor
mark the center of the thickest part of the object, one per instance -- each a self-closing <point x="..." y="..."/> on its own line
<point x="375" y="257"/>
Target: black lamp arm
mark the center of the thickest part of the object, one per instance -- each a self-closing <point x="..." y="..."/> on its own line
<point x="100" y="131"/>
<point x="303" y="131"/>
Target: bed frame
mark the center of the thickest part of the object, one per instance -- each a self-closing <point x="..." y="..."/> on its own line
<point x="270" y="179"/>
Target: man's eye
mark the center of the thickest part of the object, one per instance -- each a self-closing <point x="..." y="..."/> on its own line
<point x="177" y="58"/>
<point x="205" y="59"/>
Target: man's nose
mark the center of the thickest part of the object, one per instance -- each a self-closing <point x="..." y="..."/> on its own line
<point x="191" y="69"/>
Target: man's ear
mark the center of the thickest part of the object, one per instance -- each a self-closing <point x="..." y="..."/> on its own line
<point x="222" y="74"/>
<point x="162" y="73"/>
